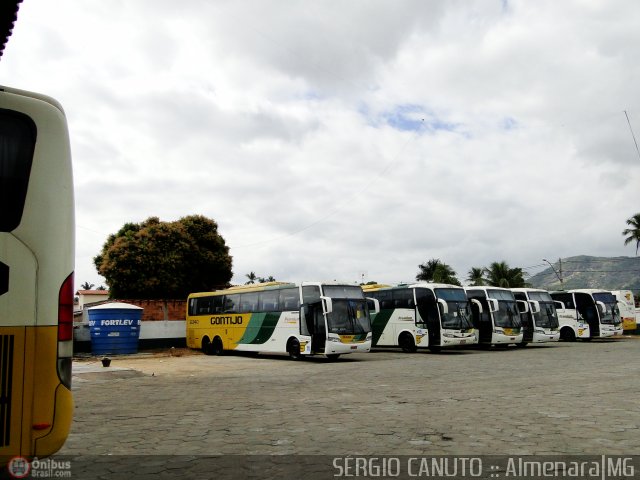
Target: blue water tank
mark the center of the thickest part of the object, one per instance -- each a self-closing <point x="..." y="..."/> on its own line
<point x="114" y="328"/>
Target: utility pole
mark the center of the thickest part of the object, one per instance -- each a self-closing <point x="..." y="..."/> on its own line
<point x="559" y="275"/>
<point x="560" y="268"/>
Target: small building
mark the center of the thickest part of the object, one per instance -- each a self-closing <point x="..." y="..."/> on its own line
<point x="86" y="297"/>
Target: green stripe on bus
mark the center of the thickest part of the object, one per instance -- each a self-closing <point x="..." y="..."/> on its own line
<point x="379" y="323"/>
<point x="260" y="328"/>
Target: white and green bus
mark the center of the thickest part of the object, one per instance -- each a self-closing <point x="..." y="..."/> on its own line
<point x="539" y="321"/>
<point x="495" y="315"/>
<point x="592" y="308"/>
<point x="308" y="319"/>
<point x="421" y="315"/>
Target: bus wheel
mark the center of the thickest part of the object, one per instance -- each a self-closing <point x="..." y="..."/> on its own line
<point x="206" y="346"/>
<point x="216" y="346"/>
<point x="333" y="357"/>
<point x="567" y="335"/>
<point x="293" y="348"/>
<point x="406" y="343"/>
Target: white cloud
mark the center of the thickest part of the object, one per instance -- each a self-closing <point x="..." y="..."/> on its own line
<point x="331" y="139"/>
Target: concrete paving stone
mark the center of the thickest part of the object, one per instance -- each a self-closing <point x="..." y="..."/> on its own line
<point x="563" y="399"/>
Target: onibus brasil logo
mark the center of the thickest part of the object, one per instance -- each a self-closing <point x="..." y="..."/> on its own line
<point x="20" y="467"/>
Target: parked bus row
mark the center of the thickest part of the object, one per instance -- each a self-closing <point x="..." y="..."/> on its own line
<point x="332" y="319"/>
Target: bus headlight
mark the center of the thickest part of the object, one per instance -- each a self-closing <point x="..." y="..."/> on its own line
<point x="538" y="330"/>
<point x="498" y="330"/>
<point x="369" y="337"/>
<point x="333" y="339"/>
<point x="448" y="334"/>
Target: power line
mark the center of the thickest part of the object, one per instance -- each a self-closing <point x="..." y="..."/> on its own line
<point x="634" y="137"/>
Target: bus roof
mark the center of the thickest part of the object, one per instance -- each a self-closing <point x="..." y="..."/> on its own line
<point x="252" y="287"/>
<point x="380" y="286"/>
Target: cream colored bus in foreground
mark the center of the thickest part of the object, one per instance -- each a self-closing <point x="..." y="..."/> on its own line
<point x="36" y="275"/>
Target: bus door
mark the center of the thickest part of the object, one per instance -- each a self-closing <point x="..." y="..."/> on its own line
<point x="482" y="319"/>
<point x="18" y="279"/>
<point x="587" y="307"/>
<point x="427" y="313"/>
<point x="314" y="317"/>
<point x="526" y="318"/>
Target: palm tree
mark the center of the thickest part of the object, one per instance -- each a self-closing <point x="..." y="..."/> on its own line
<point x="634" y="232"/>
<point x="252" y="277"/>
<point x="500" y="275"/>
<point x="475" y="276"/>
<point x="427" y="270"/>
<point x="436" y="271"/>
<point x="86" y="286"/>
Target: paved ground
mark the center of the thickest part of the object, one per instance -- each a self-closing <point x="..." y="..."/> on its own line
<point x="579" y="398"/>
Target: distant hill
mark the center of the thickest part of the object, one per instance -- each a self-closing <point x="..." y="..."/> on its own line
<point x="610" y="273"/>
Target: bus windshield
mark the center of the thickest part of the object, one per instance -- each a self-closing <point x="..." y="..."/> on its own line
<point x="343" y="291"/>
<point x="349" y="317"/>
<point x="459" y="316"/>
<point x="540" y="296"/>
<point x="611" y="315"/>
<point x="547" y="317"/>
<point x="507" y="315"/>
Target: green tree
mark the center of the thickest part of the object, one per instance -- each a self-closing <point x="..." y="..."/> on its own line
<point x="155" y="259"/>
<point x="633" y="233"/>
<point x="86" y="286"/>
<point x="475" y="276"/>
<point x="436" y="271"/>
<point x="499" y="274"/>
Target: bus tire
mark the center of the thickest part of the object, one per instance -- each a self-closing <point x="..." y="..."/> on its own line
<point x="216" y="346"/>
<point x="333" y="357"/>
<point x="407" y="343"/>
<point x="567" y="335"/>
<point x="293" y="349"/>
<point x="206" y="346"/>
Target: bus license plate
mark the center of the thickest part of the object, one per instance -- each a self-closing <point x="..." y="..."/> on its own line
<point x="354" y="347"/>
<point x="463" y="341"/>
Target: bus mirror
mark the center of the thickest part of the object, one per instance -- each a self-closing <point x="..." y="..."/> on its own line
<point x="477" y="304"/>
<point x="601" y="307"/>
<point x="523" y="307"/>
<point x="535" y="306"/>
<point x="374" y="305"/>
<point x="443" y="305"/>
<point x="493" y="305"/>
<point x="559" y="305"/>
<point x="327" y="304"/>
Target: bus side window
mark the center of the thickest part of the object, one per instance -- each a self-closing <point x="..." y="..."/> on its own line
<point x="231" y="303"/>
<point x="249" y="302"/>
<point x="385" y="299"/>
<point x="217" y="304"/>
<point x="203" y="305"/>
<point x="403" y="298"/>
<point x="289" y="300"/>
<point x="268" y="301"/>
<point x="192" y="306"/>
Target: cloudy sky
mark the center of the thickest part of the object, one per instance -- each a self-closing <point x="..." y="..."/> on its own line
<point x="348" y="140"/>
